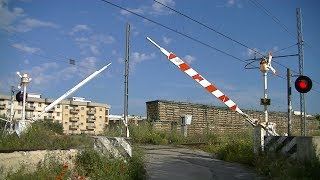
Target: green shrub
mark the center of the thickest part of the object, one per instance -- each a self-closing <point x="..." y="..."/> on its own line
<point x="40" y="136"/>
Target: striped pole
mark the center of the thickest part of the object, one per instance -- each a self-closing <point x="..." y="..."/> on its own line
<point x="203" y="82"/>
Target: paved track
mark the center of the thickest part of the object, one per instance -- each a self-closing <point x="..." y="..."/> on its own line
<point x="173" y="163"/>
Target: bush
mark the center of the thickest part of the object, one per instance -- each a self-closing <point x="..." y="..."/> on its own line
<point x="41" y="136"/>
<point x="96" y="166"/>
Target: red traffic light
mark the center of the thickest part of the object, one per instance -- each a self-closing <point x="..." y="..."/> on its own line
<point x="303" y="84"/>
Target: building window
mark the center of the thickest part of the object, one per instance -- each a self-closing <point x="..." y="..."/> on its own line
<point x="58" y="113"/>
<point x="66" y="107"/>
<point x="58" y="106"/>
<point x="39" y="104"/>
<point x="66" y="123"/>
<point x="19" y="111"/>
<point x="82" y="108"/>
<point x="100" y="117"/>
<point x="100" y="109"/>
<point x="82" y="115"/>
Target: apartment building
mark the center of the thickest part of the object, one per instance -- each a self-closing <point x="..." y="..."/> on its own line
<point x="77" y="115"/>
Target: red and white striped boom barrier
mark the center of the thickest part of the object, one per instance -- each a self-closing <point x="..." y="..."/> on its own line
<point x="203" y="82"/>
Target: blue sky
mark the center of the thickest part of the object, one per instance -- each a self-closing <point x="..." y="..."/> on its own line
<point x="39" y="37"/>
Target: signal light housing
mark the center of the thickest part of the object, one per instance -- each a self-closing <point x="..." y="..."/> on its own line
<point x="19" y="96"/>
<point x="303" y="84"/>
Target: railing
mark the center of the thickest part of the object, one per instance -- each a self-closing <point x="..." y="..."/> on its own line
<point x="91" y="119"/>
<point x="30" y="108"/>
<point x="91" y="127"/>
<point x="91" y="112"/>
<point x="2" y="106"/>
<point x="73" y="127"/>
<point x="74" y="119"/>
<point x="74" y="111"/>
<point x="48" y="117"/>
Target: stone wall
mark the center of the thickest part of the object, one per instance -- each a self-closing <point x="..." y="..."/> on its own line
<point x="166" y="115"/>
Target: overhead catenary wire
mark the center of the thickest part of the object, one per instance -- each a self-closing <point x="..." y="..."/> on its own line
<point x="63" y="58"/>
<point x="232" y="39"/>
<point x="180" y="33"/>
<point x="208" y="27"/>
<point x="173" y="30"/>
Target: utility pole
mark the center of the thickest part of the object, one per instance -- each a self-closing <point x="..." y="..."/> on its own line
<point x="289" y="102"/>
<point x="11" y="108"/>
<point x="301" y="63"/>
<point x="126" y="81"/>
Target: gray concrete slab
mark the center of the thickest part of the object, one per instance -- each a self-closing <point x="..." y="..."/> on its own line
<point x="174" y="163"/>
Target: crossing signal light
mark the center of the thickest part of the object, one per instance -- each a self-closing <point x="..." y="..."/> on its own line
<point x="303" y="84"/>
<point x="19" y="96"/>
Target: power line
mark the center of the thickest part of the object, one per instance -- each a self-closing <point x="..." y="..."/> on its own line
<point x="189" y="37"/>
<point x="206" y="26"/>
<point x="274" y="18"/>
<point x="173" y="30"/>
<point x="62" y="59"/>
<point x="242" y="44"/>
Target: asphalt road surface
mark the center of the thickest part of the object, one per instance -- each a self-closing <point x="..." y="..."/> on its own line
<point x="175" y="163"/>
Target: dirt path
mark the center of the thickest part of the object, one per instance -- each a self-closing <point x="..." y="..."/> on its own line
<point x="173" y="163"/>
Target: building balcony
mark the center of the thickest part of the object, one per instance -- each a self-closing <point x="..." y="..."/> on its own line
<point x="2" y="106"/>
<point x="48" y="117"/>
<point x="91" y="119"/>
<point x="30" y="108"/>
<point x="74" y="111"/>
<point x="73" y="127"/>
<point x="74" y="119"/>
<point x="91" y="112"/>
<point x="52" y="110"/>
<point x="91" y="127"/>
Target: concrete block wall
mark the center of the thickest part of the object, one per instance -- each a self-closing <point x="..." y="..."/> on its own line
<point x="166" y="115"/>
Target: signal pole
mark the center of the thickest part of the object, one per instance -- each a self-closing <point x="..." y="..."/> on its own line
<point x="289" y="102"/>
<point x="126" y="81"/>
<point x="301" y="63"/>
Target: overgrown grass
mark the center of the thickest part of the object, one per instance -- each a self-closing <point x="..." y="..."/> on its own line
<point x="89" y="164"/>
<point x="236" y="147"/>
<point x="43" y="135"/>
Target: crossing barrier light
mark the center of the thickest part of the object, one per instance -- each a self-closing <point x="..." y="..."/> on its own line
<point x="303" y="84"/>
<point x="19" y="96"/>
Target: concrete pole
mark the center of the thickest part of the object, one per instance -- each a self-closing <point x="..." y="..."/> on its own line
<point x="265" y="96"/>
<point x="289" y="102"/>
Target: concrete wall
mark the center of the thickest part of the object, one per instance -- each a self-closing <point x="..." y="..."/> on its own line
<point x="308" y="148"/>
<point x="166" y="115"/>
<point x="30" y="159"/>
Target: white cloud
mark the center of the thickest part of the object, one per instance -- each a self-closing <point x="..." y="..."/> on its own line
<point x="140" y="57"/>
<point x="234" y="3"/>
<point x="159" y="9"/>
<point x="79" y="28"/>
<point x="90" y="44"/>
<point x="154" y="9"/>
<point x="26" y="61"/>
<point x="25" y="48"/>
<point x="29" y="23"/>
<point x="250" y="52"/>
<point x="166" y="40"/>
<point x="189" y="59"/>
<point x="137" y="10"/>
<point x="40" y="74"/>
<point x="137" y="58"/>
<point x="7" y="16"/>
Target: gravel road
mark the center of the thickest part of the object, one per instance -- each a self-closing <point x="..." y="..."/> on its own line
<point x="175" y="163"/>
